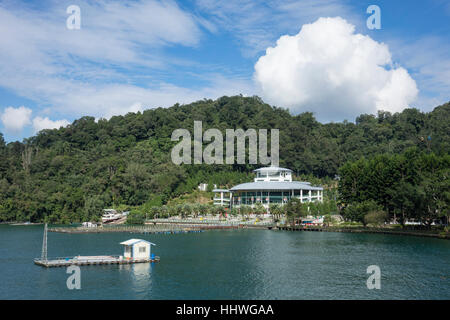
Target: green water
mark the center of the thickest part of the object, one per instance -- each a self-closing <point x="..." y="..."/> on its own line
<point x="238" y="264"/>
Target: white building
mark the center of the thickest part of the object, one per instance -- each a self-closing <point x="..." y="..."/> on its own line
<point x="274" y="185"/>
<point x="89" y="225"/>
<point x="222" y="197"/>
<point x="137" y="249"/>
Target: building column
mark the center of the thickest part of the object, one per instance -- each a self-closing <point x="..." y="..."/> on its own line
<point x="309" y="195"/>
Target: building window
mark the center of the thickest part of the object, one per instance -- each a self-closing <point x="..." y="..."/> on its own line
<point x="142" y="249"/>
<point x="274" y="174"/>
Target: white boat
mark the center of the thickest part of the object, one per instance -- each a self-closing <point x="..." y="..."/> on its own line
<point x="110" y="215"/>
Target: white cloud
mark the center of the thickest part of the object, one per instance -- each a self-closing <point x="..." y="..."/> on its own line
<point x="119" y="44"/>
<point x="40" y="123"/>
<point x="329" y="69"/>
<point x="111" y="32"/>
<point x="113" y="64"/>
<point x="15" y="119"/>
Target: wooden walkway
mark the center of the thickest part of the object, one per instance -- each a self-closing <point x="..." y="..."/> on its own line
<point x="154" y="228"/>
<point x="146" y="229"/>
<point x="300" y="228"/>
<point x="90" y="260"/>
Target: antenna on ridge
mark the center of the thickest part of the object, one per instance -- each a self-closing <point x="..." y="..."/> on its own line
<point x="44" y="245"/>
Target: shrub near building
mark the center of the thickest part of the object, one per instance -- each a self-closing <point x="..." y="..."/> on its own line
<point x="358" y="211"/>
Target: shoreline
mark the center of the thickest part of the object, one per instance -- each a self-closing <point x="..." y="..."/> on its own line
<point x="414" y="233"/>
<point x="178" y="228"/>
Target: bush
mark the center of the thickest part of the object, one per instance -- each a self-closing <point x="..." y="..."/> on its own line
<point x="358" y="210"/>
<point x="328" y="219"/>
<point x="376" y="218"/>
<point x="136" y="217"/>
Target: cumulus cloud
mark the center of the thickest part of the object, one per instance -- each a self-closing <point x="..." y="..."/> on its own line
<point x="329" y="69"/>
<point x="40" y="123"/>
<point x="15" y="119"/>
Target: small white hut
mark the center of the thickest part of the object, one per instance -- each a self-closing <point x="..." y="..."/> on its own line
<point x="137" y="249"/>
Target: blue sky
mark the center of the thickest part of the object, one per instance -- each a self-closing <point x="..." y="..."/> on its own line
<point x="132" y="55"/>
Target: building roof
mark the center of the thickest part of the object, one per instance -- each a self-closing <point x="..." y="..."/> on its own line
<point x="275" y="185"/>
<point x="272" y="169"/>
<point x="221" y="190"/>
<point x="134" y="241"/>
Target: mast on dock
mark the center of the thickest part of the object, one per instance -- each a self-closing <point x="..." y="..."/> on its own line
<point x="44" y="245"/>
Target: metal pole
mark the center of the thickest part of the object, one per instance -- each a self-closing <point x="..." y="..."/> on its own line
<point x="44" y="245"/>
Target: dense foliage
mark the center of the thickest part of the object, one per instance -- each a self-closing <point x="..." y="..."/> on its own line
<point x="69" y="174"/>
<point x="411" y="185"/>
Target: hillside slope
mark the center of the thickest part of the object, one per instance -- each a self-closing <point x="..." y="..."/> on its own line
<point x="69" y="174"/>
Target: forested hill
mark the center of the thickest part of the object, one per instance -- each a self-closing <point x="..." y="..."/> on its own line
<point x="67" y="174"/>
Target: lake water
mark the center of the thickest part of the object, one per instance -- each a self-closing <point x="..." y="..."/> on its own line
<point x="232" y="264"/>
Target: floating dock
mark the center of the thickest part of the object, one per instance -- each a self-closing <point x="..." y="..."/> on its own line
<point x="135" y="251"/>
<point x="91" y="260"/>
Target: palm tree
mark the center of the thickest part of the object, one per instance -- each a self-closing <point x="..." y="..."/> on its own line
<point x="196" y="208"/>
<point x="186" y="210"/>
<point x="220" y="211"/>
<point x="180" y="210"/>
<point x="276" y="211"/>
<point x="245" y="211"/>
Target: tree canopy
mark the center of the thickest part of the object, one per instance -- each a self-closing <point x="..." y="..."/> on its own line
<point x="67" y="174"/>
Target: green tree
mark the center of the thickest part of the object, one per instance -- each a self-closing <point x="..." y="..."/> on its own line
<point x="358" y="210"/>
<point x="295" y="210"/>
<point x="328" y="219"/>
<point x="376" y="218"/>
<point x="276" y="210"/>
<point x="93" y="208"/>
<point x="135" y="217"/>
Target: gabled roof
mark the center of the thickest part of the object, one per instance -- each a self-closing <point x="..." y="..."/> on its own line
<point x="134" y="241"/>
<point x="275" y="185"/>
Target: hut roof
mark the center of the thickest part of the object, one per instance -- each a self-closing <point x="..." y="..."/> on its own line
<point x="134" y="241"/>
